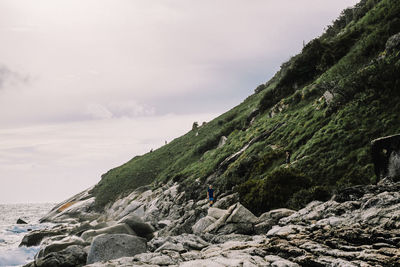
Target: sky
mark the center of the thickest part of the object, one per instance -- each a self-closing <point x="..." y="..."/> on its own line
<point x="85" y="85"/>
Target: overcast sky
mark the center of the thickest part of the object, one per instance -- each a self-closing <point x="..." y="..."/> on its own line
<point x="85" y="85"/>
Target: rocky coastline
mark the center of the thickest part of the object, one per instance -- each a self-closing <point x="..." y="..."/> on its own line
<point x="359" y="226"/>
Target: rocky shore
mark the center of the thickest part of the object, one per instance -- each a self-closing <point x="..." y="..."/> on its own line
<point x="359" y="226"/>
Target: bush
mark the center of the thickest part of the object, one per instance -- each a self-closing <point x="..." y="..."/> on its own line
<point x="301" y="198"/>
<point x="272" y="192"/>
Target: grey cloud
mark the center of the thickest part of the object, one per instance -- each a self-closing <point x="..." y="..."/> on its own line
<point x="10" y="78"/>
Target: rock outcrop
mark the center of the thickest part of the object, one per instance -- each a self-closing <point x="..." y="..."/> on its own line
<point x="385" y="152"/>
<point x="113" y="246"/>
<point x="359" y="226"/>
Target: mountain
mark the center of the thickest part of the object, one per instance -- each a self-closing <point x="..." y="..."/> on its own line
<point x="324" y="105"/>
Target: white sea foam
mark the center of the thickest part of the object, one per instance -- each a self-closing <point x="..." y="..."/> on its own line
<point x="17" y="256"/>
<point x="11" y="233"/>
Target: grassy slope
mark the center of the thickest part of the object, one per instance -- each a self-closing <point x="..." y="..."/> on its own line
<point x="329" y="141"/>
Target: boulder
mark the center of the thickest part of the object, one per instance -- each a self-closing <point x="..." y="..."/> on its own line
<point x="222" y="141"/>
<point x="271" y="218"/>
<point x="393" y="43"/>
<point x="114" y="246"/>
<point x="275" y="214"/>
<point x="237" y="228"/>
<point x="141" y="228"/>
<point x="20" y="221"/>
<point x="202" y="224"/>
<point x="241" y="215"/>
<point x="60" y="245"/>
<point x="121" y="228"/>
<point x="385" y="156"/>
<point x="35" y="237"/>
<point x="216" y="213"/>
<point x="69" y="257"/>
<point x="226" y="201"/>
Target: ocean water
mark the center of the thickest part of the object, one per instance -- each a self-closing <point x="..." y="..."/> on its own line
<point x="11" y="233"/>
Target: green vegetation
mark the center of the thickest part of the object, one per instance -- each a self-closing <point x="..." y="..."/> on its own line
<point x="325" y="105"/>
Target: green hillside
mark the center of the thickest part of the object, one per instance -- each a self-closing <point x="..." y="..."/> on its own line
<point x="325" y="105"/>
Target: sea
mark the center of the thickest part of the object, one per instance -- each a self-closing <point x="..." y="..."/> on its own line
<point x="12" y="233"/>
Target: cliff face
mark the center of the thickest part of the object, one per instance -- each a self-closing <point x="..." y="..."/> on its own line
<point x="325" y="105"/>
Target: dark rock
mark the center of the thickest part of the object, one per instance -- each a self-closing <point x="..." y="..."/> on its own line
<point x="141" y="228"/>
<point x="68" y="257"/>
<point x="20" y="221"/>
<point x="35" y="237"/>
<point x="60" y="245"/>
<point x="385" y="153"/>
<point x="114" y="246"/>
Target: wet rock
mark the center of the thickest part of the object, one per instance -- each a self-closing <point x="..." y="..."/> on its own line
<point x="114" y="246"/>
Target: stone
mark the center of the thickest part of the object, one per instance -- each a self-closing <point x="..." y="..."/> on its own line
<point x="171" y="246"/>
<point x="202" y="224"/>
<point x="393" y="43"/>
<point x="222" y="141"/>
<point x="216" y="213"/>
<point x="328" y="96"/>
<point x="237" y="228"/>
<point x="241" y="215"/>
<point x="132" y="206"/>
<point x="227" y="201"/>
<point x="276" y="214"/>
<point x="120" y="262"/>
<point x="113" y="246"/>
<point x="60" y="245"/>
<point x="162" y="260"/>
<point x="69" y="257"/>
<point x="121" y="228"/>
<point x="35" y="237"/>
<point x="20" y="221"/>
<point x="164" y="223"/>
<point x="141" y="228"/>
<point x="381" y="152"/>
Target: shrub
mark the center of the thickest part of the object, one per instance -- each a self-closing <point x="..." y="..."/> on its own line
<point x="272" y="192"/>
<point x="301" y="198"/>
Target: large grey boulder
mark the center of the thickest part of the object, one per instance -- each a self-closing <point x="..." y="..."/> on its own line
<point x="241" y="215"/>
<point x="114" y="246"/>
<point x="271" y="218"/>
<point x="121" y="228"/>
<point x="202" y="224"/>
<point x="216" y="213"/>
<point x="138" y="226"/>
